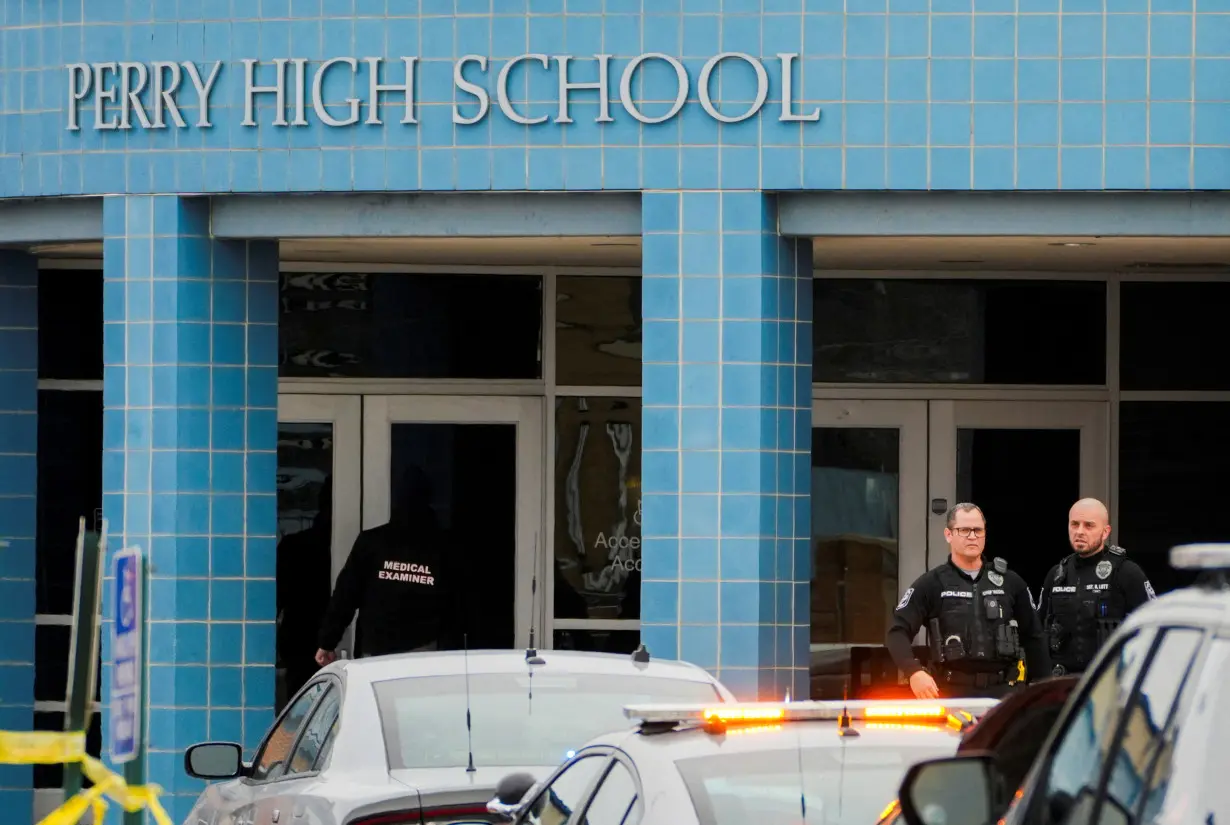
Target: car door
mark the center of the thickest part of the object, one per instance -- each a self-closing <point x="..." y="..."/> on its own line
<point x="244" y="804"/>
<point x="296" y="790"/>
<point x="1096" y="767"/>
<point x="616" y="800"/>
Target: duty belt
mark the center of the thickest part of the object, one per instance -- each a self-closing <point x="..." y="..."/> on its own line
<point x="978" y="679"/>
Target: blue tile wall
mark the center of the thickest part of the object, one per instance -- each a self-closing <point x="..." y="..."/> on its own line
<point x="18" y="488"/>
<point x="945" y="94"/>
<point x="189" y="468"/>
<point x="726" y="439"/>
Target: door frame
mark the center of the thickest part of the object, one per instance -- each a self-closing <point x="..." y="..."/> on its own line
<point x="380" y="412"/>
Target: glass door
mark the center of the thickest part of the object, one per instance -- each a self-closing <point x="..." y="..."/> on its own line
<point x="1025" y="463"/>
<point x="319" y="500"/>
<point x="869" y="527"/>
<point x="477" y="462"/>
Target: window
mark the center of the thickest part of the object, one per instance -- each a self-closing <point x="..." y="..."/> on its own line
<point x="274" y="754"/>
<point x="390" y="325"/>
<point x="312" y="742"/>
<point x="597" y="513"/>
<point x="424" y="717"/>
<point x="1145" y="729"/>
<point x="1076" y="764"/>
<point x="1166" y="332"/>
<point x="958" y="331"/>
<point x="567" y="791"/>
<point x="70" y="324"/>
<point x="598" y="331"/>
<point x="615" y="802"/>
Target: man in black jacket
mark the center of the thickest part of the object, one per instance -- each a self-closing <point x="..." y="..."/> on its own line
<point x="396" y="578"/>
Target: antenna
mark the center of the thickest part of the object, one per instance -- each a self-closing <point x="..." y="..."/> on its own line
<point x="531" y="653"/>
<point x="844" y="727"/>
<point x="465" y="641"/>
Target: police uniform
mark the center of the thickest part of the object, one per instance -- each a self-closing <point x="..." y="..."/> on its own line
<point x="979" y="627"/>
<point x="1084" y="599"/>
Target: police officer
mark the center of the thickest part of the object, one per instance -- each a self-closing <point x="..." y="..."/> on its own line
<point x="979" y="617"/>
<point x="1088" y="594"/>
<point x="397" y="580"/>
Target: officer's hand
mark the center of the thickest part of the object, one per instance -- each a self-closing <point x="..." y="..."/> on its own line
<point x="924" y="686"/>
<point x="324" y="657"/>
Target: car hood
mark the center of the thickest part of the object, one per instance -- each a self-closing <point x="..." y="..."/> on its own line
<point x="433" y="782"/>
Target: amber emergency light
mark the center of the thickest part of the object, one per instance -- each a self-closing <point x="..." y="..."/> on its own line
<point x="760" y="713"/>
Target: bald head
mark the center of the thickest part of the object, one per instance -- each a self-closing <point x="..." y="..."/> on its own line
<point x="1088" y="526"/>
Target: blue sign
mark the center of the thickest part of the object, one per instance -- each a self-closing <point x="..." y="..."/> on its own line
<point x="126" y="657"/>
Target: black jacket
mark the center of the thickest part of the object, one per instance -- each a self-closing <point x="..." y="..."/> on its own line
<point x="946" y="593"/>
<point x="397" y="578"/>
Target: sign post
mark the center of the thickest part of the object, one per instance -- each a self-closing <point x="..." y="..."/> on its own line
<point x="83" y="645"/>
<point x="127" y="734"/>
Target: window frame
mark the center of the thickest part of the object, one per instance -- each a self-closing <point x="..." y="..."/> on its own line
<point x="332" y="687"/>
<point x="637" y="806"/>
<point x="328" y="681"/>
<point x="598" y="752"/>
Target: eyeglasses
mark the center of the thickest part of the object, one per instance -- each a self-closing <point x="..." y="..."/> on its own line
<point x="966" y="532"/>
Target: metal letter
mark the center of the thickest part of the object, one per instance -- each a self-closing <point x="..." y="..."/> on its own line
<point x="251" y="90"/>
<point x="501" y="90"/>
<point x="100" y="71"/>
<point x="203" y="90"/>
<point x="625" y="87"/>
<point x="162" y="94"/>
<point x="318" y="98"/>
<point x="376" y="87"/>
<point x="75" y="94"/>
<point x="129" y="94"/>
<point x="484" y="99"/>
<point x="604" y="100"/>
<point x="762" y="86"/>
<point x="300" y="65"/>
<point x="788" y="92"/>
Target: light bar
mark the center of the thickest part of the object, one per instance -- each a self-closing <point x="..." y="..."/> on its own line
<point x="1200" y="557"/>
<point x="913" y="710"/>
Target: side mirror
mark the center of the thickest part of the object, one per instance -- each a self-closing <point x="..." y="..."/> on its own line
<point x="958" y="790"/>
<point x="214" y="760"/>
<point x="509" y="794"/>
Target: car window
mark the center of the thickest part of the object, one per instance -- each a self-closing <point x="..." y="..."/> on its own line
<point x="839" y="785"/>
<point x="272" y="759"/>
<point x="1192" y="773"/>
<point x="614" y="803"/>
<point x="1146" y="724"/>
<point x="516" y="718"/>
<point x="556" y="802"/>
<point x="314" y="733"/>
<point x="322" y="761"/>
<point x="1065" y="793"/>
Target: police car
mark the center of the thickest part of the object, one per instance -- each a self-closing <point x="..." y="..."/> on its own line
<point x="1142" y="739"/>
<point x="837" y="763"/>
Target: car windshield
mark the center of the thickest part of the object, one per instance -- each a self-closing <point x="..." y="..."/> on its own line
<point x="839" y="785"/>
<point x="516" y="721"/>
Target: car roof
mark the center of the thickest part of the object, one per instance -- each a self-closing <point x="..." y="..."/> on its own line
<point x="1204" y="605"/>
<point x="457" y="663"/>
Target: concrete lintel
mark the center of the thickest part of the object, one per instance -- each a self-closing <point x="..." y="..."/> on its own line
<point x="56" y="220"/>
<point x="1064" y="214"/>
<point x="427" y="215"/>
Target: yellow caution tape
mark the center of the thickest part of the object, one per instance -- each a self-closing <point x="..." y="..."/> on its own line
<point x="50" y="748"/>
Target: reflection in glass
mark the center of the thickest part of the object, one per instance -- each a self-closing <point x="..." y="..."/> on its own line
<point x="305" y="541"/>
<point x="392" y="325"/>
<point x="598" y="331"/>
<point x="598" y="508"/>
<point x="1025" y="481"/>
<point x="469" y="473"/>
<point x="597" y="641"/>
<point x="959" y="331"/>
<point x="855" y="489"/>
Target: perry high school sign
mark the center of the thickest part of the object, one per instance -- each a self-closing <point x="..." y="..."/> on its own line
<point x="127" y="95"/>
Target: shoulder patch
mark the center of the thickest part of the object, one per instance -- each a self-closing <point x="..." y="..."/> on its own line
<point x="1149" y="590"/>
<point x="1000" y="565"/>
<point x="905" y="598"/>
<point x="1116" y="549"/>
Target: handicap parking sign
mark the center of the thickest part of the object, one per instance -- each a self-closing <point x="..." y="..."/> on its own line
<point x="126" y="657"/>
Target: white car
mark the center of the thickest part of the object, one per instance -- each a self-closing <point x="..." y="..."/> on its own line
<point x="423" y="738"/>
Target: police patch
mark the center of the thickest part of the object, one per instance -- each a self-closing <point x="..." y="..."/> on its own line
<point x="996" y="579"/>
<point x="1103" y="569"/>
<point x="1149" y="589"/>
<point x="905" y="598"/>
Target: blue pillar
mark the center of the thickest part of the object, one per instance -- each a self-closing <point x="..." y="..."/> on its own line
<point x="189" y="469"/>
<point x="18" y="487"/>
<point x="727" y="440"/>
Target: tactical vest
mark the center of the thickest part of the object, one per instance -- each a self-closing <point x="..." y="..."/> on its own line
<point x="976" y="627"/>
<point x="1086" y="607"/>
